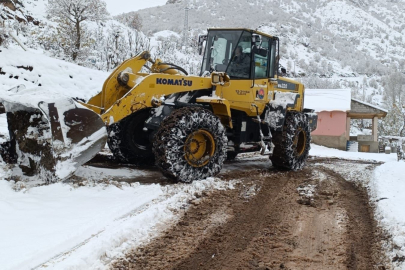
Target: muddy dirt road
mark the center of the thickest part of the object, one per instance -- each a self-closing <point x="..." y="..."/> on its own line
<point x="312" y="219"/>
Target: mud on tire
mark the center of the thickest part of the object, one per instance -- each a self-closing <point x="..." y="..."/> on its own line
<point x="293" y="143"/>
<point x="128" y="142"/>
<point x="171" y="145"/>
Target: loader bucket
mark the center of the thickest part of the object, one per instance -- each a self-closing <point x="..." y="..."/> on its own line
<point x="52" y="140"/>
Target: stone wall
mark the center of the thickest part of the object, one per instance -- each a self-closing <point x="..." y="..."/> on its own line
<point x="338" y="142"/>
<point x="373" y="146"/>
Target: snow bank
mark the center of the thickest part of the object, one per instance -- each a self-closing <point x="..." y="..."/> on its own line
<point x="46" y="77"/>
<point x="63" y="226"/>
<point x="95" y="173"/>
<point x="322" y="151"/>
<point x="388" y="190"/>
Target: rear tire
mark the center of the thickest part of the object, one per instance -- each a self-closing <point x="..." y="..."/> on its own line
<point x="292" y="145"/>
<point x="128" y="142"/>
<point x="190" y="145"/>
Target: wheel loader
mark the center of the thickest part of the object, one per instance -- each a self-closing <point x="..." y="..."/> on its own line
<point x="186" y="125"/>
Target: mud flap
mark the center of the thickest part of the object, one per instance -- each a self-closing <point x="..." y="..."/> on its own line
<point x="312" y="117"/>
<point x="54" y="139"/>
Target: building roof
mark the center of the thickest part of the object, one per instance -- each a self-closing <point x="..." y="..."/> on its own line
<point x="363" y="110"/>
<point x="327" y="99"/>
<point x="370" y="105"/>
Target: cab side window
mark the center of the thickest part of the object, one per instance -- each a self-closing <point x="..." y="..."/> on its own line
<point x="261" y="58"/>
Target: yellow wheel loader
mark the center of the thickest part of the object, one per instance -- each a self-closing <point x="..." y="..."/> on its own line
<point x="187" y="125"/>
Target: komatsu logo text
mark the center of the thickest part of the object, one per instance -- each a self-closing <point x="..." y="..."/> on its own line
<point x="181" y="82"/>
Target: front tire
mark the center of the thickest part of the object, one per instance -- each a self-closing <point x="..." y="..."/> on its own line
<point x="190" y="145"/>
<point x="128" y="142"/>
<point x="292" y="145"/>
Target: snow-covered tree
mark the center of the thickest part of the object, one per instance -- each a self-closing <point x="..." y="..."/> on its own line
<point x="315" y="82"/>
<point x="3" y="27"/>
<point x="394" y="98"/>
<point x="395" y="89"/>
<point x="393" y="123"/>
<point x="131" y="19"/>
<point x="70" y="15"/>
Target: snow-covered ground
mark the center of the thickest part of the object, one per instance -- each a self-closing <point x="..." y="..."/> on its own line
<point x="66" y="226"/>
<point x="388" y="190"/>
<point x="322" y="151"/>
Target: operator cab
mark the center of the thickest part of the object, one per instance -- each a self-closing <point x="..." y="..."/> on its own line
<point x="241" y="53"/>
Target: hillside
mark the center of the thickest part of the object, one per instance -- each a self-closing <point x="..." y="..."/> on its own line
<point x="325" y="44"/>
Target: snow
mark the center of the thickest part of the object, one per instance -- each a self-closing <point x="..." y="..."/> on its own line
<point x="3" y="128"/>
<point x="43" y="218"/>
<point x="94" y="173"/>
<point x="166" y="34"/>
<point x="322" y="151"/>
<point x="49" y="79"/>
<point x="283" y="99"/>
<point x="63" y="226"/>
<point x="388" y="189"/>
<point x="327" y="99"/>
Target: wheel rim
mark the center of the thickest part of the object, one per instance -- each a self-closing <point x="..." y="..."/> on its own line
<point x="199" y="148"/>
<point x="300" y="141"/>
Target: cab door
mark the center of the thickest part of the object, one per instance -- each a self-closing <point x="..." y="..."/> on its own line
<point x="251" y="66"/>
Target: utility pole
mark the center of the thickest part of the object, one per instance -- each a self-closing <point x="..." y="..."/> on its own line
<point x="185" y="30"/>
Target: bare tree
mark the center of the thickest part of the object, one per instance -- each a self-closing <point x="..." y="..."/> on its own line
<point x="73" y="13"/>
<point x="131" y="19"/>
<point x="135" y="22"/>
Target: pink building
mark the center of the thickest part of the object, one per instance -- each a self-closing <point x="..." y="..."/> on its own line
<point x="332" y="106"/>
<point x="335" y="109"/>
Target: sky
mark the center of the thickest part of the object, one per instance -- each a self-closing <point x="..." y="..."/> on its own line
<point x="116" y="7"/>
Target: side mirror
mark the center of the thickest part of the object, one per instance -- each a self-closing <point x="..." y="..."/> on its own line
<point x="256" y="39"/>
<point x="220" y="78"/>
<point x="201" y="43"/>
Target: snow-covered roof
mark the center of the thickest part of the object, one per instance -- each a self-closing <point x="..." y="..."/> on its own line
<point x="327" y="99"/>
<point x="370" y="105"/>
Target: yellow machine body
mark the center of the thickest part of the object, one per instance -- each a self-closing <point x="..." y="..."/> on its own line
<point x="127" y="91"/>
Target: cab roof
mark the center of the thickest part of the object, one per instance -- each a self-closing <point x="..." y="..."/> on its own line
<point x="243" y="29"/>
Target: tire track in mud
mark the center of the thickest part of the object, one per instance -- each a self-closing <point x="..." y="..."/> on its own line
<point x="261" y="225"/>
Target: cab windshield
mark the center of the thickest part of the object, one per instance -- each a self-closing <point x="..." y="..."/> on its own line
<point x="219" y="49"/>
<point x="231" y="51"/>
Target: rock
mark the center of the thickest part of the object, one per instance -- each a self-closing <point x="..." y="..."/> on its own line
<point x="195" y="202"/>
